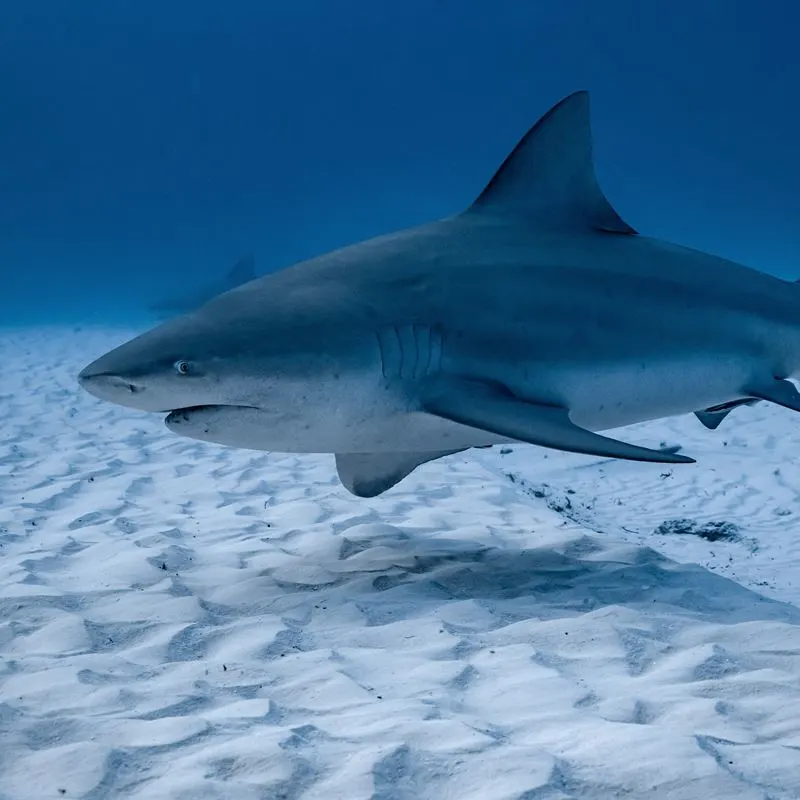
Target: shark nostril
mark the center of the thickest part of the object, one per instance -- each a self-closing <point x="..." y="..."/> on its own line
<point x="125" y="384"/>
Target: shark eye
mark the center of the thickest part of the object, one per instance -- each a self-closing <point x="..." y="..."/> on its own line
<point x="182" y="367"/>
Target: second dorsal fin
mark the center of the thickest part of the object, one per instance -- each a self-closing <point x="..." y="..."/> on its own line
<point x="549" y="177"/>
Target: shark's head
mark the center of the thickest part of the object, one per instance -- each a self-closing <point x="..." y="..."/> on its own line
<point x="239" y="349"/>
<point x="240" y="356"/>
<point x="179" y="364"/>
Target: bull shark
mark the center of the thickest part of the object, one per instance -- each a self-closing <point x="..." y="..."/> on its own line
<point x="241" y="272"/>
<point x="535" y="315"/>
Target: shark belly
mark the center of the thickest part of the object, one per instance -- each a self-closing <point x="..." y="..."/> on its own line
<point x="628" y="393"/>
<point x="609" y="374"/>
<point x="614" y="349"/>
<point x="369" y="417"/>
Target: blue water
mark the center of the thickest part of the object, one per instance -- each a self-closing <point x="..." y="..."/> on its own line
<point x="145" y="146"/>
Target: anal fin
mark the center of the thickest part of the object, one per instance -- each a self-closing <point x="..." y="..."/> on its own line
<point x="481" y="406"/>
<point x="712" y="417"/>
<point x="371" y="474"/>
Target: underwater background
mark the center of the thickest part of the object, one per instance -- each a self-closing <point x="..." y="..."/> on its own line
<point x="146" y="146"/>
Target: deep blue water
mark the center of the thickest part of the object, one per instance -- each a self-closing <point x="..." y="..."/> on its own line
<point x="147" y="145"/>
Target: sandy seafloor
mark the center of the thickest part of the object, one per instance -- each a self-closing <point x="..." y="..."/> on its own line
<point x="181" y="620"/>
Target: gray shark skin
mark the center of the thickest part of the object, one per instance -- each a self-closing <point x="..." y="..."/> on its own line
<point x="240" y="273"/>
<point x="536" y="315"/>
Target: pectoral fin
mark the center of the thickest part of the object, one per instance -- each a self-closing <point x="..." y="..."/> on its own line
<point x="486" y="408"/>
<point x="371" y="474"/>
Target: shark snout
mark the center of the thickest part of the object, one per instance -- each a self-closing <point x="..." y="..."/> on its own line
<point x="108" y="386"/>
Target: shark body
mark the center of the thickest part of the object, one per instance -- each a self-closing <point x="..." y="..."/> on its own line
<point x="537" y="315"/>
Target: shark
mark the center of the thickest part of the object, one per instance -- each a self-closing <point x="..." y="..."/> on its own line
<point x="241" y="272"/>
<point x="534" y="315"/>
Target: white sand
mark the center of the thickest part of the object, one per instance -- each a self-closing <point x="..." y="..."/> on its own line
<point x="180" y="620"/>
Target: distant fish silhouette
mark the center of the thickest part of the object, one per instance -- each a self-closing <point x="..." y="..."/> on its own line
<point x="241" y="272"/>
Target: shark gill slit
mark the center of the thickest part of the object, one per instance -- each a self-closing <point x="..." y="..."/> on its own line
<point x="408" y="348"/>
<point x="423" y="348"/>
<point x="410" y="351"/>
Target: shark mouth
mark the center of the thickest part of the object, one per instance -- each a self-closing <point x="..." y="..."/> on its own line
<point x="179" y="415"/>
<point x="242" y="426"/>
<point x="201" y="409"/>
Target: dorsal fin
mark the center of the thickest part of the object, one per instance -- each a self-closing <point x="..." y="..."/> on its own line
<point x="549" y="177"/>
<point x="242" y="271"/>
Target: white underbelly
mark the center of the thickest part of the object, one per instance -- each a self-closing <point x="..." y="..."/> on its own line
<point x="600" y="399"/>
<point x="365" y="415"/>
